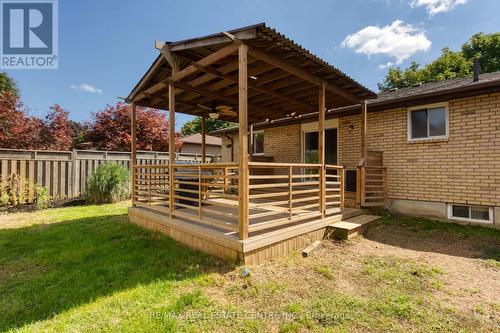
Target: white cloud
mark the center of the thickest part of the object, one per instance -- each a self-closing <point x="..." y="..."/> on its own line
<point x="86" y="88"/>
<point x="397" y="40"/>
<point x="434" y="7"/>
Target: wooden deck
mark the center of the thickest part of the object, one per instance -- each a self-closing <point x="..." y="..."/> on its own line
<point x="261" y="245"/>
<point x="287" y="206"/>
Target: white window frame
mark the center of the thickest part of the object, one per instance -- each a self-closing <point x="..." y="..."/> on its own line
<point x="253" y="142"/>
<point x="451" y="217"/>
<point x="423" y="107"/>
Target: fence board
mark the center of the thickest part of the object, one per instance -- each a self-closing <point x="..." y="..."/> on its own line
<point x="65" y="173"/>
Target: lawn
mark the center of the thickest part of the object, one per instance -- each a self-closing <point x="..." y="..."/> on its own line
<point x="86" y="268"/>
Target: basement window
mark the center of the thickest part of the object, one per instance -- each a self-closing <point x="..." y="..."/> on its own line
<point x="470" y="213"/>
<point x="428" y="122"/>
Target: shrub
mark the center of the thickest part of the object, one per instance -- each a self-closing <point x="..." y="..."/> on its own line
<point x="109" y="183"/>
<point x="42" y="197"/>
<point x="14" y="191"/>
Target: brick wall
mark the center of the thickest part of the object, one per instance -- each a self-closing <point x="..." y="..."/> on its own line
<point x="465" y="168"/>
<point x="349" y="141"/>
<point x="226" y="148"/>
<point x="281" y="142"/>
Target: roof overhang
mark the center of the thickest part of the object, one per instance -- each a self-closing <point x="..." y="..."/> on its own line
<point x="283" y="77"/>
<point x="374" y="105"/>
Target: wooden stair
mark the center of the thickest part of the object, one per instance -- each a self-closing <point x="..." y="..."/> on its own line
<point x="352" y="226"/>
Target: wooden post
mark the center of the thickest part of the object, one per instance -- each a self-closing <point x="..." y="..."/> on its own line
<point x="358" y="187"/>
<point x="203" y="139"/>
<point x="364" y="111"/>
<point x="226" y="175"/>
<point x="362" y="185"/>
<point x="74" y="174"/>
<point x="133" y="148"/>
<point x="342" y="186"/>
<point x="290" y="192"/>
<point x="200" y="189"/>
<point x="386" y="194"/>
<point x="321" y="147"/>
<point x="243" y="192"/>
<point x="171" y="141"/>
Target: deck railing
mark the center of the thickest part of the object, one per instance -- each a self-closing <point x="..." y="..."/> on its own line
<point x="283" y="193"/>
<point x="207" y="193"/>
<point x="151" y="188"/>
<point x="278" y="193"/>
<point x="334" y="189"/>
<point x="373" y="185"/>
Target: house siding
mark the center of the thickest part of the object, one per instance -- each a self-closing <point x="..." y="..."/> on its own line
<point x="465" y="168"/>
<point x="192" y="148"/>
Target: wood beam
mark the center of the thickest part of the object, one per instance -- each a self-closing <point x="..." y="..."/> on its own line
<point x="133" y="147"/>
<point x="208" y="60"/>
<point x="214" y="95"/>
<point x="364" y="119"/>
<point x="303" y="74"/>
<point x="203" y="138"/>
<point x="214" y="57"/>
<point x="166" y="53"/>
<point x="224" y="83"/>
<point x="268" y="77"/>
<point x="220" y="38"/>
<point x="243" y="171"/>
<point x="254" y="86"/>
<point x="321" y="146"/>
<point x="171" y="141"/>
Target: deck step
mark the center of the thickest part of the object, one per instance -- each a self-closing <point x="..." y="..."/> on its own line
<point x="353" y="226"/>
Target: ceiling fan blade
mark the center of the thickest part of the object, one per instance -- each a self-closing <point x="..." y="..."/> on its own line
<point x="223" y="107"/>
<point x="227" y="113"/>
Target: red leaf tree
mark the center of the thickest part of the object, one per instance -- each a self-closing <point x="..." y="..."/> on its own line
<point x="17" y="130"/>
<point x="57" y="133"/>
<point x="110" y="129"/>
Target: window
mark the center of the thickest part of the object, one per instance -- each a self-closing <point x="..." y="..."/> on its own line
<point x="470" y="213"/>
<point x="428" y="122"/>
<point x="258" y="143"/>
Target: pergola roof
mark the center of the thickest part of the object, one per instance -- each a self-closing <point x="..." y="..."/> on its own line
<point x="283" y="77"/>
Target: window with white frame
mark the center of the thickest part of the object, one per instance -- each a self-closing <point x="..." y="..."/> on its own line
<point x="470" y="213"/>
<point x="428" y="122"/>
<point x="258" y="143"/>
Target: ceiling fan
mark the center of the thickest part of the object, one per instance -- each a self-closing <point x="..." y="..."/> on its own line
<point x="221" y="110"/>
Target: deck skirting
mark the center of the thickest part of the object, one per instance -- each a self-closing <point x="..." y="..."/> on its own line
<point x="254" y="250"/>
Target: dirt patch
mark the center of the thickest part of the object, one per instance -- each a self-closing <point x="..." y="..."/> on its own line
<point x="471" y="282"/>
<point x="393" y="278"/>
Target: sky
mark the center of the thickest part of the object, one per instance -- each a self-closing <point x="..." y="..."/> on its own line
<point x="106" y="46"/>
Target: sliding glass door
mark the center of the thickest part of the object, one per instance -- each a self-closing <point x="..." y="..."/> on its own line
<point x="311" y="146"/>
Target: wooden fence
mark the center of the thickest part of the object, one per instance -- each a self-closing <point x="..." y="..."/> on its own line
<point x="65" y="173"/>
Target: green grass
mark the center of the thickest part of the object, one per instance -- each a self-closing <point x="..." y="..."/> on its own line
<point x="89" y="263"/>
<point x="86" y="269"/>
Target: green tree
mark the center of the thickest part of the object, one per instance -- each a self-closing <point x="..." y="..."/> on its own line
<point x="194" y="126"/>
<point x="8" y="84"/>
<point x="487" y="48"/>
<point x="449" y="65"/>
